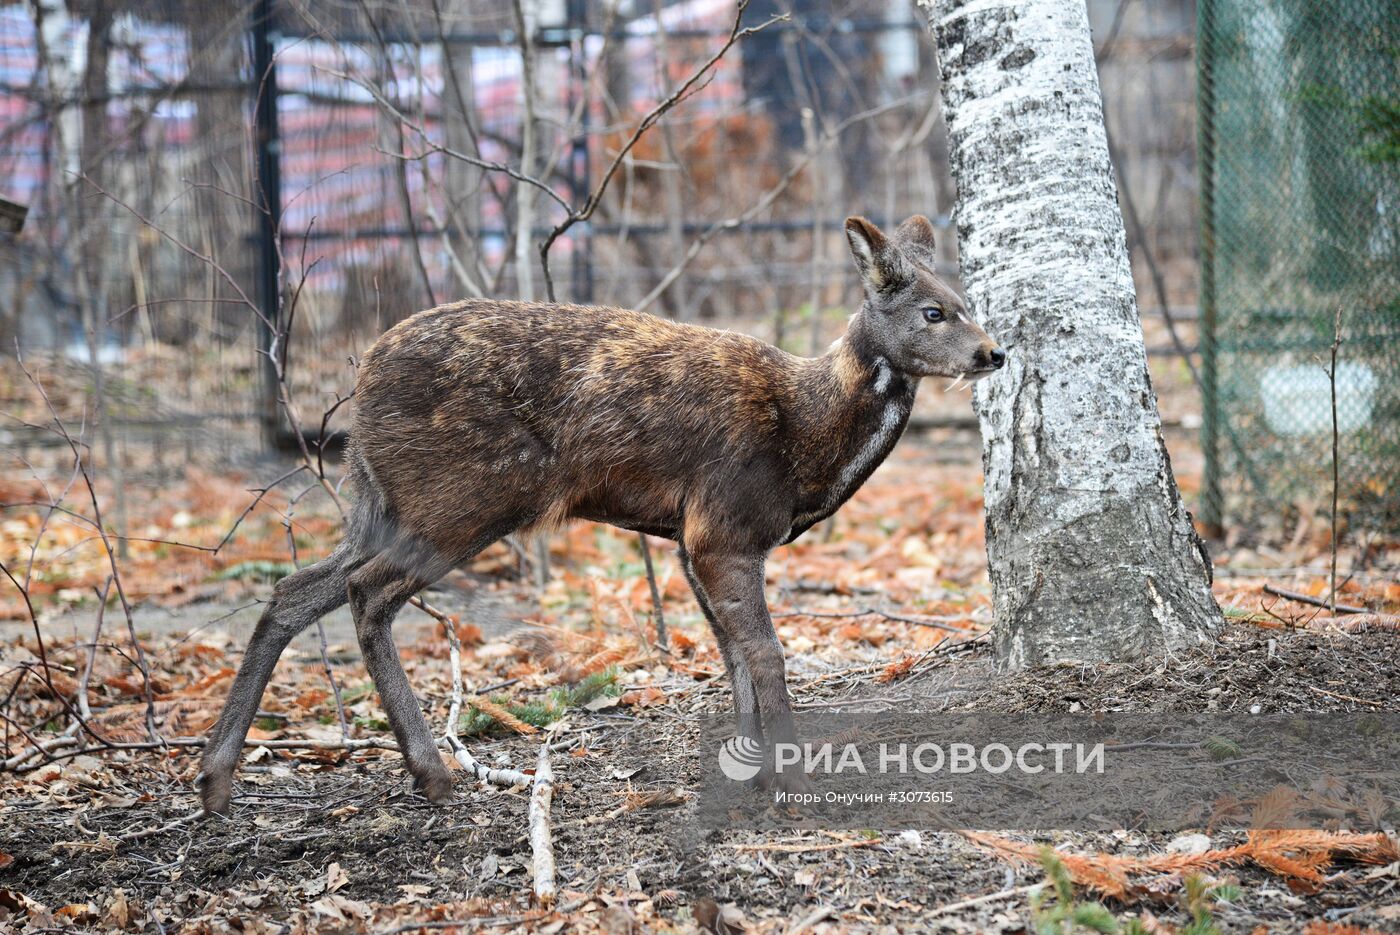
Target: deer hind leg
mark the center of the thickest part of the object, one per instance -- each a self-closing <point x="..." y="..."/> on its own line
<point x="377" y="591"/>
<point x="733" y="585"/>
<point x="298" y="600"/>
<point x="748" y="721"/>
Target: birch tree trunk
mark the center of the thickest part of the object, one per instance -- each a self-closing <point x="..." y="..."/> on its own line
<point x="1091" y="554"/>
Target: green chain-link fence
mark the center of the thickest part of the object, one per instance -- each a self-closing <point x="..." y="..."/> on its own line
<point x="1299" y="135"/>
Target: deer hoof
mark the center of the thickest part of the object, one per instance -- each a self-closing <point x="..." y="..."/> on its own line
<point x="215" y="792"/>
<point x="436" y="789"/>
<point x="793" y="783"/>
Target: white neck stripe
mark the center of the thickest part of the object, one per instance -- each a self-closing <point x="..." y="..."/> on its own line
<point x="882" y="374"/>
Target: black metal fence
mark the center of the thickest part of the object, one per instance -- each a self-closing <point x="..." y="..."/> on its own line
<point x="200" y="182"/>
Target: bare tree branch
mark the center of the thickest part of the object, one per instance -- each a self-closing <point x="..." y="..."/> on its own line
<point x="763" y="203"/>
<point x="736" y="33"/>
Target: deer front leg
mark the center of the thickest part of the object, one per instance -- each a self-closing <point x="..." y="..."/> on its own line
<point x="747" y="720"/>
<point x="733" y="587"/>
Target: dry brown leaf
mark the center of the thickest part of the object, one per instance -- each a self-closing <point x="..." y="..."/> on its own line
<point x="78" y="912"/>
<point x="336" y="878"/>
<point x="119" y="911"/>
<point x="657" y="798"/>
<point x="721" y="920"/>
<point x="1319" y="927"/>
<point x="342" y="908"/>
<point x="897" y="669"/>
<point x="643" y="698"/>
<point x="578" y="671"/>
<point x="311" y="697"/>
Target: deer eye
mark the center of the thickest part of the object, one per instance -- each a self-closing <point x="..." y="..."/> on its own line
<point x="933" y="314"/>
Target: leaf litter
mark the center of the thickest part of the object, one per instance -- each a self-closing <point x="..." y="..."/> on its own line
<point x="891" y="596"/>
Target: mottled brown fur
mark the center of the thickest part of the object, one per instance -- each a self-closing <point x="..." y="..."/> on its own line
<point x="480" y="418"/>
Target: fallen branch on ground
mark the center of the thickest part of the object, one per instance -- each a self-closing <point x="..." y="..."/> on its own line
<point x="636" y="801"/>
<point x="55" y="753"/>
<point x="482" y="772"/>
<point x="1357" y="623"/>
<point x="989" y="898"/>
<point x="841" y="843"/>
<point x="43" y="748"/>
<point x="180" y="822"/>
<point x="541" y="843"/>
<point x="939" y="622"/>
<point x="1351" y="698"/>
<point x="1312" y="601"/>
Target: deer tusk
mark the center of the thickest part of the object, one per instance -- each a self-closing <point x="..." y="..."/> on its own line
<point x="954" y="385"/>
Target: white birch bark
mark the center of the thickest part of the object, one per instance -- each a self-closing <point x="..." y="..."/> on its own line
<point x="541" y="838"/>
<point x="1091" y="554"/>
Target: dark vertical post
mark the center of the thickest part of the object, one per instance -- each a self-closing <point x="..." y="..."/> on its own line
<point x="268" y="192"/>
<point x="1212" y="504"/>
<point x="581" y="170"/>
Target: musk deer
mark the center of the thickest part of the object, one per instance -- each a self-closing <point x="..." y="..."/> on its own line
<point x="482" y="418"/>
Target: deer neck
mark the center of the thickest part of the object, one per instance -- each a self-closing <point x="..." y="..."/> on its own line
<point x="854" y="407"/>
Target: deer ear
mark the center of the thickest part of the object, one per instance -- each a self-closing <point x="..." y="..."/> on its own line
<point x="916" y="231"/>
<point x="915" y="238"/>
<point x="880" y="264"/>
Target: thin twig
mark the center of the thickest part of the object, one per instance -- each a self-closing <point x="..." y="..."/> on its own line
<point x="330" y="677"/>
<point x="43" y="748"/>
<point x="161" y="829"/>
<point x="658" y="616"/>
<point x="482" y="772"/>
<point x="737" y="32"/>
<point x="842" y="843"/>
<point x="940" y="623"/>
<point x="764" y="202"/>
<point x="1341" y="697"/>
<point x="1155" y="274"/>
<point x="431" y="148"/>
<point x="989" y="898"/>
<point x="349" y="746"/>
<point x="182" y="246"/>
<point x="81" y="466"/>
<point x="84" y="705"/>
<point x="1336" y="446"/>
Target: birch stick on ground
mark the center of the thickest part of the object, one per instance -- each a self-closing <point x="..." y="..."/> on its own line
<point x="541" y="842"/>
<point x="479" y="770"/>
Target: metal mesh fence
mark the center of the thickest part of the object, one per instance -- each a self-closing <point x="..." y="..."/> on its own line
<point x="137" y="133"/>
<point x="1299" y="111"/>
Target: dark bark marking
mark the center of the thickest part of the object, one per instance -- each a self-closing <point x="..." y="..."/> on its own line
<point x="1018" y="59"/>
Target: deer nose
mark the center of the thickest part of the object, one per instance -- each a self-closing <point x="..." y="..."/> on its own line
<point x="998" y="356"/>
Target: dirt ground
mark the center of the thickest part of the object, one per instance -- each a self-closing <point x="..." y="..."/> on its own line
<point x="340" y="842"/>
<point x="890" y="601"/>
